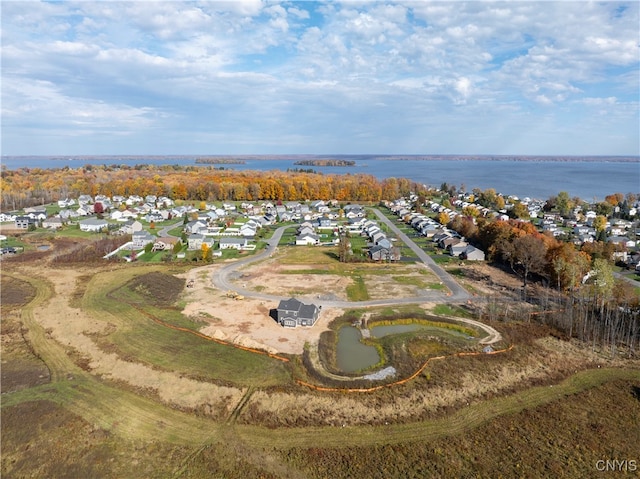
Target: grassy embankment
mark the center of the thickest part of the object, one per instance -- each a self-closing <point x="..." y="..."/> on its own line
<point x="118" y="297"/>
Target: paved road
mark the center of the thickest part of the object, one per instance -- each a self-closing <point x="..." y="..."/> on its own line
<point x="459" y="294"/>
<point x="165" y="231"/>
<point x="226" y="278"/>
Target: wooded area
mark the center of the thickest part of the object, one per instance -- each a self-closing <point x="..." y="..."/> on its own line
<point x="34" y="186"/>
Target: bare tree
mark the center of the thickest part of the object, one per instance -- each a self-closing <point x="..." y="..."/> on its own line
<point x="528" y="255"/>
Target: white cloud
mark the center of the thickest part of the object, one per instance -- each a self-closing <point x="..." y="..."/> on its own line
<point x="373" y="68"/>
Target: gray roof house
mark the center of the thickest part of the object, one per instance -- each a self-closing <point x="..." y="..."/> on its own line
<point x="23" y="222"/>
<point x="52" y="223"/>
<point x="93" y="224"/>
<point x="380" y="253"/>
<point x="472" y="253"/>
<point x="141" y="238"/>
<point x="292" y="313"/>
<point x="233" y="243"/>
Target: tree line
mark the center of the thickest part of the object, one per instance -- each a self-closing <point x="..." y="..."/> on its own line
<point x="590" y="304"/>
<point x="35" y="186"/>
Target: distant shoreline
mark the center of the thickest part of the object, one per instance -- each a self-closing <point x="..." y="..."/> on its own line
<point x="308" y="159"/>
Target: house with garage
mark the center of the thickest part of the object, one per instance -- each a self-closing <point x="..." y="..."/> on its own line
<point x="292" y="312"/>
<point x="234" y="243"/>
<point x="140" y="239"/>
<point x="306" y="239"/>
<point x="380" y="253"/>
<point x="53" y="223"/>
<point x="93" y="225"/>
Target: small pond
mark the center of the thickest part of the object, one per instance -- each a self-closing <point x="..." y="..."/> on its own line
<point x="43" y="247"/>
<point x="351" y="354"/>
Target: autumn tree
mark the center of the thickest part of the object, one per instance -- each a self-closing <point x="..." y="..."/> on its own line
<point x="443" y="218"/>
<point x="519" y="210"/>
<point x="98" y="209"/>
<point x="207" y="253"/>
<point x="564" y="204"/>
<point x="526" y="254"/>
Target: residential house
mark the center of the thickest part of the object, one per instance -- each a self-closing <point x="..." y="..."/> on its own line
<point x="130" y="227"/>
<point x="380" y="253"/>
<point x="456" y="249"/>
<point x="324" y="223"/>
<point x="234" y="243"/>
<point x="23" y="222"/>
<point x="52" y="223"/>
<point x="307" y="239"/>
<point x="93" y="225"/>
<point x="66" y="202"/>
<point x="384" y="242"/>
<point x="471" y="253"/>
<point x="140" y="239"/>
<point x="193" y="227"/>
<point x="248" y="230"/>
<point x="292" y="313"/>
<point x="377" y="237"/>
<point x="165" y="243"/>
<point x="195" y="241"/>
<point x="35" y="211"/>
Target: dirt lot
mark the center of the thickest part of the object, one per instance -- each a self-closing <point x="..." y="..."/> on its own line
<point x="249" y="321"/>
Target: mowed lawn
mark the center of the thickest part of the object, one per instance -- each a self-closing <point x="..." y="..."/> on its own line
<point x="137" y="337"/>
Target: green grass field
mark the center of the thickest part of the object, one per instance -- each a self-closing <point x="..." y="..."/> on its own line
<point x="139" y="338"/>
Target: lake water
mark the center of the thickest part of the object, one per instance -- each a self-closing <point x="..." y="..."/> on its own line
<point x="588" y="180"/>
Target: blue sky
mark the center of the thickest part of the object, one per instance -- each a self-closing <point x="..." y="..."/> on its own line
<point x="262" y="77"/>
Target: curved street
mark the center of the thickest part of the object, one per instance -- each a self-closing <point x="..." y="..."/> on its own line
<point x="223" y="277"/>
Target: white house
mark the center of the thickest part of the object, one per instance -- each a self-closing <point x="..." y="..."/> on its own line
<point x="307" y="239"/>
<point x="93" y="224"/>
<point x="195" y="241"/>
<point x="141" y="238"/>
<point x="52" y="223"/>
<point x="234" y="243"/>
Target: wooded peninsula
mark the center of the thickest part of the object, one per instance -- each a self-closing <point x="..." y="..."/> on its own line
<point x="326" y="163"/>
<point x="220" y="161"/>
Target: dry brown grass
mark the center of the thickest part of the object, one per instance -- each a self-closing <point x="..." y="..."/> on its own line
<point x="444" y="386"/>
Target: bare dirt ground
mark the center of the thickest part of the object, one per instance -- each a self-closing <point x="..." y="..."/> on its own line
<point x="248" y="321"/>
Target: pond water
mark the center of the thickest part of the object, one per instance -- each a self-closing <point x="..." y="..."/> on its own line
<point x="43" y="247"/>
<point x="351" y="354"/>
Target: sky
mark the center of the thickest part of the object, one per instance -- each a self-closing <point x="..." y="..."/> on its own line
<point x="306" y="77"/>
